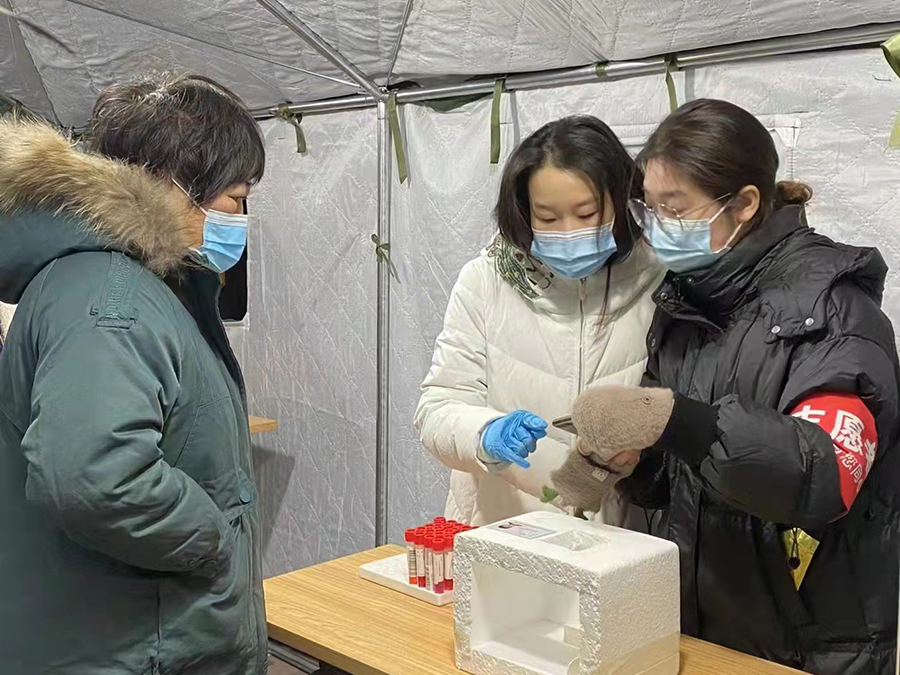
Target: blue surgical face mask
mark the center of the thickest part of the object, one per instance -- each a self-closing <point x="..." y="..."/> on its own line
<point x="575" y="255"/>
<point x="685" y="246"/>
<point x="224" y="237"/>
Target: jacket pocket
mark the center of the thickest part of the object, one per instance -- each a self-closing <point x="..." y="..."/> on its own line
<point x="207" y="625"/>
<point x="233" y="492"/>
<point x="211" y="449"/>
<point x="831" y="590"/>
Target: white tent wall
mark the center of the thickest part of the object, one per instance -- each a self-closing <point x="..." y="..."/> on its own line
<point x="307" y="346"/>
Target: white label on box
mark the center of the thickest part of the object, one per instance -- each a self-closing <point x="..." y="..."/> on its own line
<point x="522" y="530"/>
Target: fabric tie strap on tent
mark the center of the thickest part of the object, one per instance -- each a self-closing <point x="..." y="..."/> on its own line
<point x="294" y="120"/>
<point x="891" y="50"/>
<point x="495" y="121"/>
<point x="670" y="83"/>
<point x="394" y="121"/>
<point x="383" y="256"/>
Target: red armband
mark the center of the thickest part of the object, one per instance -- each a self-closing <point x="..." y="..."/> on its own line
<point x="852" y="429"/>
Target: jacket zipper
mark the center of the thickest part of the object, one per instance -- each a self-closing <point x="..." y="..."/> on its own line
<point x="582" y="293"/>
<point x="220" y="338"/>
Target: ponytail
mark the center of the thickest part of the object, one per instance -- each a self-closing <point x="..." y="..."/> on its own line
<point x="789" y="192"/>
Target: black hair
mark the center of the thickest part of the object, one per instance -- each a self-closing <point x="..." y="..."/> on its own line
<point x="722" y="148"/>
<point x="583" y="144"/>
<point x="185" y="127"/>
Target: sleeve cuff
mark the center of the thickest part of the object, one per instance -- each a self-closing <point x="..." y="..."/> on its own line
<point x="691" y="431"/>
<point x="487" y="463"/>
<point x="209" y="565"/>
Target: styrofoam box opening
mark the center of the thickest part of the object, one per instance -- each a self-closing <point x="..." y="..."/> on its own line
<point x="525" y="621"/>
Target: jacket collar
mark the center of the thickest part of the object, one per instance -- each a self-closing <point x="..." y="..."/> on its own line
<point x="55" y="200"/>
<point x="710" y="295"/>
<point x="628" y="279"/>
<point x="785" y="260"/>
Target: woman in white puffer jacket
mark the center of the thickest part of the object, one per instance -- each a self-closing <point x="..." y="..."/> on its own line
<point x="559" y="301"/>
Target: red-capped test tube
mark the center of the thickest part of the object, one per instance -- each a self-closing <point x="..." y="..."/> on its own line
<point x="420" y="557"/>
<point x="429" y="561"/>
<point x="438" y="570"/>
<point x="448" y="560"/>
<point x="411" y="557"/>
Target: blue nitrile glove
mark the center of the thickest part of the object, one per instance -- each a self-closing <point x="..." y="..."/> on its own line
<point x="513" y="438"/>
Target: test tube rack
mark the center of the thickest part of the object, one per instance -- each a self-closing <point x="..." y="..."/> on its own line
<point x="393" y="573"/>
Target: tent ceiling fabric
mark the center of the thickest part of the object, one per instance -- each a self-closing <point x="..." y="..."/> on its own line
<point x="18" y="76"/>
<point x="504" y="36"/>
<point x="236" y="42"/>
<point x="241" y="44"/>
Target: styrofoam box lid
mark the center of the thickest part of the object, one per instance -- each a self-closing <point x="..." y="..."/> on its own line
<point x="571" y="540"/>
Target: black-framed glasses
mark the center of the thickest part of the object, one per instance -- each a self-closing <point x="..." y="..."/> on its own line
<point x="665" y="217"/>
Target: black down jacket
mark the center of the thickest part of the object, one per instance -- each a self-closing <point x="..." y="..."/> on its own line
<point x="787" y="313"/>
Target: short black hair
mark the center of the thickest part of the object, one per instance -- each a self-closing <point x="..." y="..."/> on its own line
<point x="582" y="144"/>
<point x="185" y="127"/>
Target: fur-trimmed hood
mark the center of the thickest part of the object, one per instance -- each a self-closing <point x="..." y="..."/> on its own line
<point x="56" y="200"/>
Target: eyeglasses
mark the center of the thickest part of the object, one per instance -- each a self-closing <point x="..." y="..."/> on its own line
<point x="651" y="217"/>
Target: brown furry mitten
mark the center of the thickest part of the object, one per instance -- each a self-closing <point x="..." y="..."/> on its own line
<point x="615" y="419"/>
<point x="584" y="481"/>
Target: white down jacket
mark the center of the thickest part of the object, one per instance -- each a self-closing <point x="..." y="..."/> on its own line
<point x="517" y="337"/>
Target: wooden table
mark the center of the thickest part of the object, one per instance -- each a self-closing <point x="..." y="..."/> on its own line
<point x="331" y="614"/>
<point x="259" y="425"/>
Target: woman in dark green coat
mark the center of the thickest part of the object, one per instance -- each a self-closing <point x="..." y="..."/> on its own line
<point x="129" y="523"/>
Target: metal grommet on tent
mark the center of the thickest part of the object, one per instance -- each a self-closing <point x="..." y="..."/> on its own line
<point x="776" y="330"/>
<point x="809" y="322"/>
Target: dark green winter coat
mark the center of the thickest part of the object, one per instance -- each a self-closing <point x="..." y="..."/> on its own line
<point x="128" y="518"/>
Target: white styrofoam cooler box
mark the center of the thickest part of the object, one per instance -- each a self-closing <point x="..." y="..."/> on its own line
<point x="548" y="594"/>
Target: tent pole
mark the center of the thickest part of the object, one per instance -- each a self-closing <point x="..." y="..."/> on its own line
<point x="315" y="41"/>
<point x="406" y="12"/>
<point x="383" y="325"/>
<point x="832" y="39"/>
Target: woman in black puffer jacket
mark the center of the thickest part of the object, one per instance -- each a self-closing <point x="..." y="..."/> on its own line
<point x="774" y="402"/>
